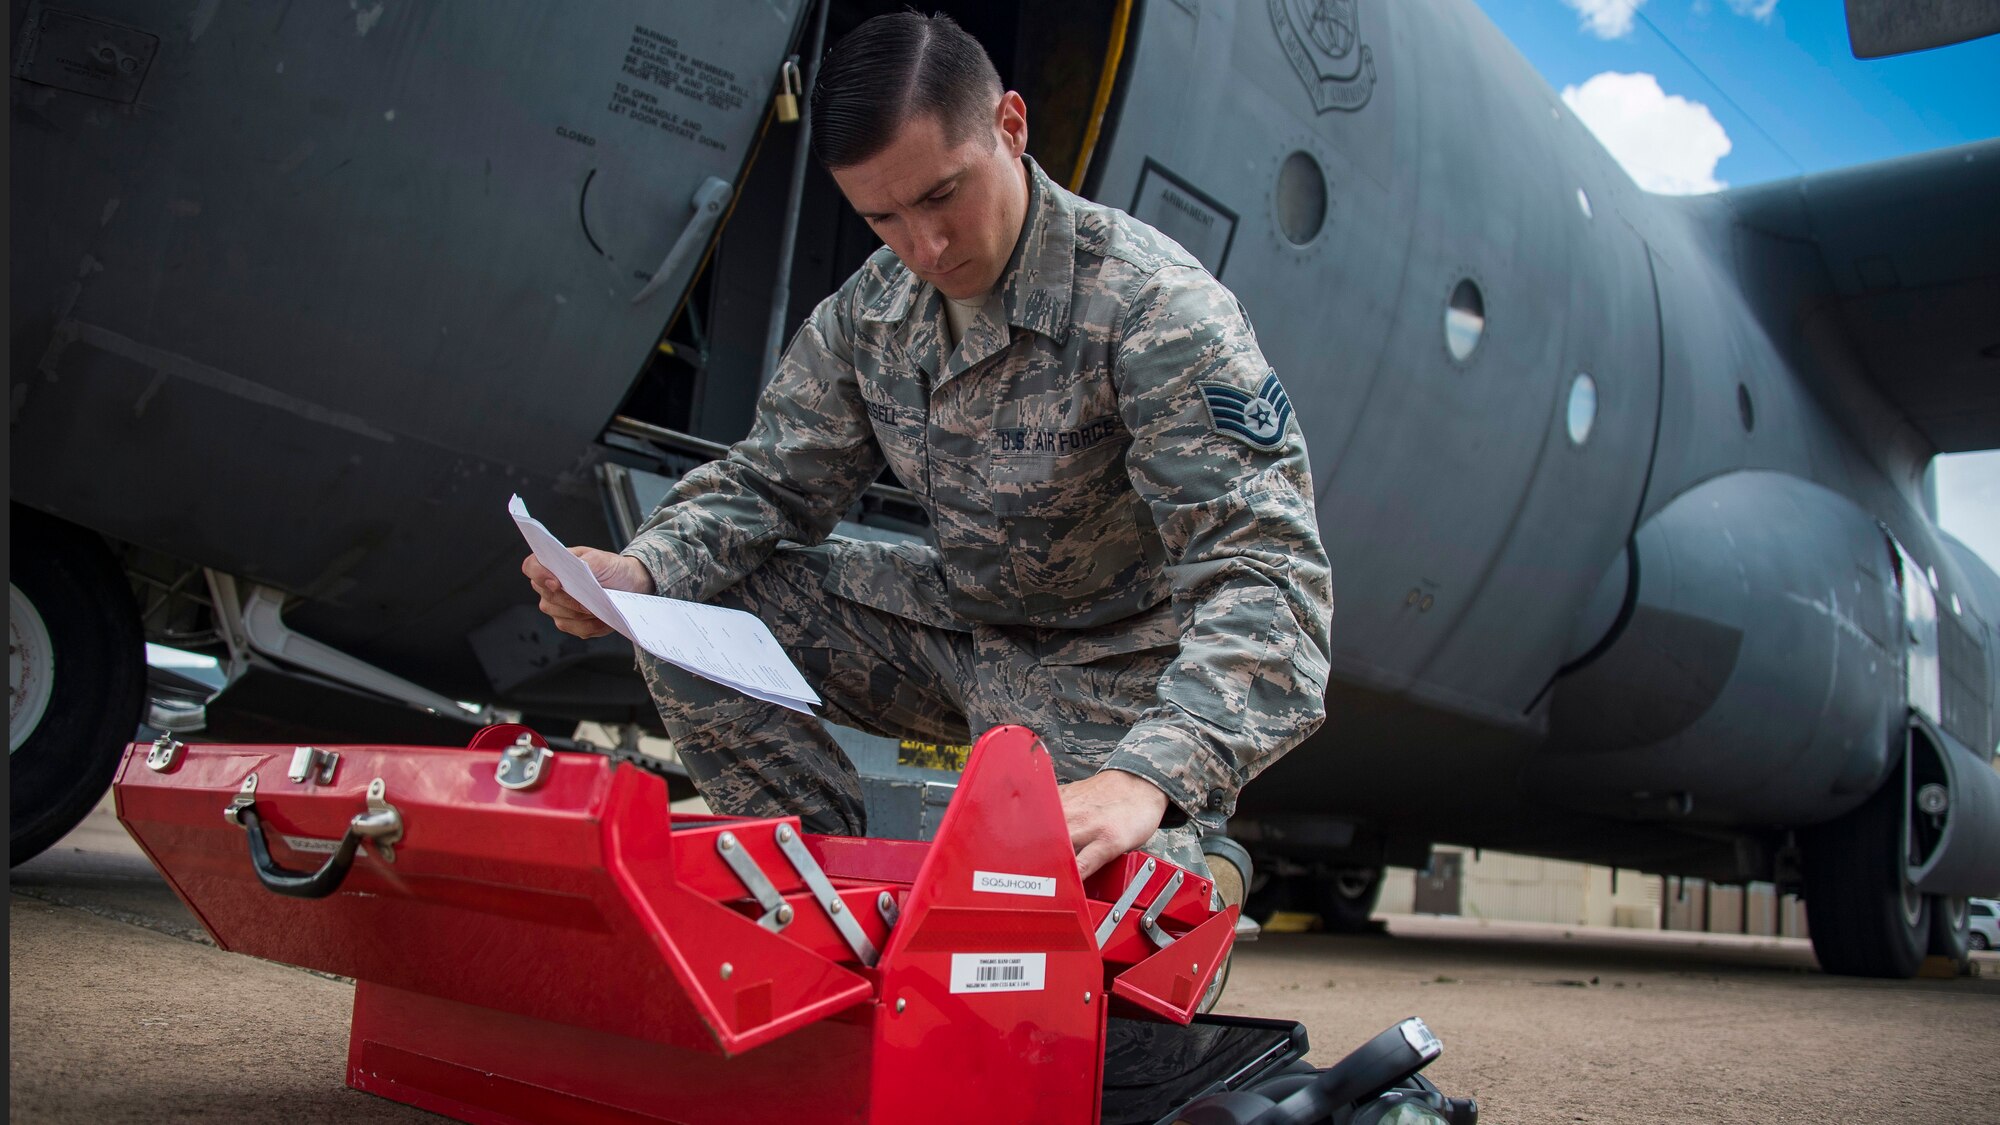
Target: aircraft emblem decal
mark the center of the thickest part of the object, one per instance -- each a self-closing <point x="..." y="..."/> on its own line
<point x="1336" y="76"/>
<point x="1257" y="420"/>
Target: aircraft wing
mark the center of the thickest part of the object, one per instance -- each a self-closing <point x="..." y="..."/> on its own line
<point x="1903" y="257"/>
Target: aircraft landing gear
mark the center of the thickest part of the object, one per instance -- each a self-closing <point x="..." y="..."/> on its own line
<point x="76" y="670"/>
<point x="1343" y="897"/>
<point x="1951" y="928"/>
<point x="1346" y="896"/>
<point x="1867" y="920"/>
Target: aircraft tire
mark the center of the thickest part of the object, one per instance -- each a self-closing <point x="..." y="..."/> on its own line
<point x="77" y="670"/>
<point x="1345" y="897"/>
<point x="1951" y="927"/>
<point x="1866" y="920"/>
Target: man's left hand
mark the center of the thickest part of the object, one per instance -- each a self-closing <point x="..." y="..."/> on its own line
<point x="1110" y="814"/>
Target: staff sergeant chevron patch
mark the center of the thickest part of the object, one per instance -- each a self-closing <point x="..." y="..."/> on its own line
<point x="1255" y="420"/>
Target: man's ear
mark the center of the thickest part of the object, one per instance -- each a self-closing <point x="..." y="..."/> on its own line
<point x="1010" y="117"/>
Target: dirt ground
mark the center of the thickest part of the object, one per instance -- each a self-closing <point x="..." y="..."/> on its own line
<point x="120" y="1011"/>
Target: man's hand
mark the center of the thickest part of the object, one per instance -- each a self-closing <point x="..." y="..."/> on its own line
<point x="613" y="571"/>
<point x="1110" y="814"/>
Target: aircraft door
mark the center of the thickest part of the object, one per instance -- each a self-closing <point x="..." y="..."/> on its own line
<point x="368" y="261"/>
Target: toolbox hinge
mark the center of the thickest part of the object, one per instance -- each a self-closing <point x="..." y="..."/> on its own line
<point x="777" y="912"/>
<point x="829" y="899"/>
<point x="1150" y="922"/>
<point x="1126" y="898"/>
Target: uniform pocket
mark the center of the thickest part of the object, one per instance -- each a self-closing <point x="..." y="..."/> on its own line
<point x="902" y="579"/>
<point x="1051" y="474"/>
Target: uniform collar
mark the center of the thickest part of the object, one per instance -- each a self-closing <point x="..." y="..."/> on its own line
<point x="1037" y="284"/>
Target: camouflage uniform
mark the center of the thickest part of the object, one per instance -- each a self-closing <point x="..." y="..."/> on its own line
<point x="1126" y="558"/>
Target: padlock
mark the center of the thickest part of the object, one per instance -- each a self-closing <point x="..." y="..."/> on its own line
<point x="790" y="89"/>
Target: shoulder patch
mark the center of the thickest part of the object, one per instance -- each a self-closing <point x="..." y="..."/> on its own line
<point x="1257" y="420"/>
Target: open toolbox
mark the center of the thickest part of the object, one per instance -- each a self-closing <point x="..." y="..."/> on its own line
<point x="535" y="937"/>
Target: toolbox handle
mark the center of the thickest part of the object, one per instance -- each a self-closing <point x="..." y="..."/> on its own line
<point x="375" y="824"/>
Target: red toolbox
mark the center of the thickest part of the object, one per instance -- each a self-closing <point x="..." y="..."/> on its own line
<point x="535" y="938"/>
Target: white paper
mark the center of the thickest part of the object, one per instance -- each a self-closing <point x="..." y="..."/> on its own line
<point x="731" y="647"/>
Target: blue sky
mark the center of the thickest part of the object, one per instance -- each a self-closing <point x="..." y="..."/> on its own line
<point x="1791" y="71"/>
<point x="1783" y="95"/>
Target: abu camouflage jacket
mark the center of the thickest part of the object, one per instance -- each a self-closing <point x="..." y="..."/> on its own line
<point x="1117" y="451"/>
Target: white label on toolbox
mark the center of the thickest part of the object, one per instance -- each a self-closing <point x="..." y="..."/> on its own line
<point x="321" y="847"/>
<point x="999" y="972"/>
<point x="1001" y="883"/>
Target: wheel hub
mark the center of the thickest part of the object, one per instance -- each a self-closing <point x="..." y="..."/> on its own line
<point x="31" y="668"/>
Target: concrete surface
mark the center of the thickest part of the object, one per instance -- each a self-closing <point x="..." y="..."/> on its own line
<point x="121" y="1012"/>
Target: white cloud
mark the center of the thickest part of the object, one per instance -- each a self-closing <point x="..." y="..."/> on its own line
<point x="1665" y="142"/>
<point x="1759" y="10"/>
<point x="1612" y="19"/>
<point x="1968" y="494"/>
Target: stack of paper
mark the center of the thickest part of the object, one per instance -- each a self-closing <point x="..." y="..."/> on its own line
<point x="729" y="646"/>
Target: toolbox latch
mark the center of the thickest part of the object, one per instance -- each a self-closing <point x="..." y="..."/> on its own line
<point x="309" y="763"/>
<point x="165" y="754"/>
<point x="521" y="764"/>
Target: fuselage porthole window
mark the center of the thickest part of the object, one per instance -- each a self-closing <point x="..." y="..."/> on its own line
<point x="1464" y="319"/>
<point x="1301" y="198"/>
<point x="1582" y="407"/>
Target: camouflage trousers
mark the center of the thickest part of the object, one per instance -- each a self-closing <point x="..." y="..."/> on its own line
<point x="885" y="663"/>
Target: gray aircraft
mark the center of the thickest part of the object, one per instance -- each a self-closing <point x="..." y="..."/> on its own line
<point x="1635" y="554"/>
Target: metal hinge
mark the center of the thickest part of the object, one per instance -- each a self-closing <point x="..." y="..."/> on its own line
<point x="1125" y="900"/>
<point x="1150" y="921"/>
<point x="777" y="912"/>
<point x="829" y="899"/>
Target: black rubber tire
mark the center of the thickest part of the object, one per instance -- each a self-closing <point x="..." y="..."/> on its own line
<point x="1857" y="907"/>
<point x="1977" y="940"/>
<point x="1951" y="928"/>
<point x="1346" y="897"/>
<point x="1268" y="894"/>
<point x="99" y="692"/>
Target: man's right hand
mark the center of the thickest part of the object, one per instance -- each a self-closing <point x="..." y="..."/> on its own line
<point x="613" y="571"/>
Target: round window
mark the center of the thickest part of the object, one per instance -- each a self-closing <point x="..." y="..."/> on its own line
<point x="1582" y="408"/>
<point x="1301" y="198"/>
<point x="1464" y="319"/>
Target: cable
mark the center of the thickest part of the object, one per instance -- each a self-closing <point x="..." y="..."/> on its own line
<point x="1717" y="87"/>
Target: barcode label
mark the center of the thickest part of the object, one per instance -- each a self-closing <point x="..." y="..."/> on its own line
<point x="999" y="972"/>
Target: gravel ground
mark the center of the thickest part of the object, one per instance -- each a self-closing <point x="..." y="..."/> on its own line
<point x="1547" y="1024"/>
<point x="120" y="1011"/>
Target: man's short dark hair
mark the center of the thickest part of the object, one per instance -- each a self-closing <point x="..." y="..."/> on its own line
<point x="891" y="69"/>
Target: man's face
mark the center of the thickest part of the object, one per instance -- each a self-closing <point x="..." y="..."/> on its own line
<point x="951" y="212"/>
